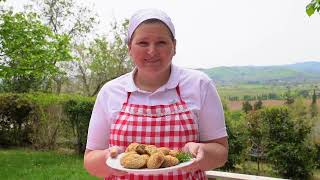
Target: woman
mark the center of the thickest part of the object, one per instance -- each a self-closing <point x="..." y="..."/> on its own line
<point x="157" y="103"/>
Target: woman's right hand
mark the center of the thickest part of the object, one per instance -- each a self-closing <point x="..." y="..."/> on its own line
<point x="113" y="153"/>
<point x="95" y="162"/>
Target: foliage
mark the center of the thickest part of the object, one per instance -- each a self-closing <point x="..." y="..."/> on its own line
<point x="49" y="128"/>
<point x="110" y="60"/>
<point x="288" y="149"/>
<point x="18" y="120"/>
<point x="29" y="51"/>
<point x="246" y="107"/>
<point x="314" y="107"/>
<point x="289" y="99"/>
<point x="257" y="105"/>
<point x="237" y="139"/>
<point x="312" y="7"/>
<point x="257" y="131"/>
<point x="79" y="113"/>
<point x="66" y="17"/>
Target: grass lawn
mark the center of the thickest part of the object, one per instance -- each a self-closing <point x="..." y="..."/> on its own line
<point x="28" y="164"/>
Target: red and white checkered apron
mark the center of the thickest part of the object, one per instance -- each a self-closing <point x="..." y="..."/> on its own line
<point x="169" y="126"/>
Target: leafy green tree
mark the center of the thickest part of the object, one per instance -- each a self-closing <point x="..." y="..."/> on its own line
<point x="67" y="17"/>
<point x="109" y="59"/>
<point x="289" y="149"/>
<point x="237" y="137"/>
<point x="289" y="99"/>
<point x="246" y="107"/>
<point x="29" y="51"/>
<point x="257" y="105"/>
<point x="313" y="6"/>
<point x="257" y="136"/>
<point x="314" y="107"/>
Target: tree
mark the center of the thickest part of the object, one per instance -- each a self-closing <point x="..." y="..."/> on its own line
<point x="246" y="107"/>
<point x="257" y="105"/>
<point x="289" y="99"/>
<point x="29" y="51"/>
<point x="313" y="6"/>
<point x="257" y="136"/>
<point x="289" y="150"/>
<point x="103" y="60"/>
<point x="314" y="107"/>
<point x="237" y="137"/>
<point x="67" y="17"/>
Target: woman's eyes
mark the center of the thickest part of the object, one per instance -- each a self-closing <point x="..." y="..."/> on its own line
<point x="144" y="43"/>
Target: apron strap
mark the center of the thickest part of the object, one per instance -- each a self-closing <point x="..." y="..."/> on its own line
<point x="128" y="95"/>
<point x="177" y="89"/>
<point x="178" y="92"/>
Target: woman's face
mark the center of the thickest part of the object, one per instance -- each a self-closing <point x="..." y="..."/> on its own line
<point x="152" y="48"/>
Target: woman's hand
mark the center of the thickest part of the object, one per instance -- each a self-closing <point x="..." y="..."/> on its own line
<point x="95" y="162"/>
<point x="197" y="152"/>
<point x="208" y="155"/>
<point x="113" y="153"/>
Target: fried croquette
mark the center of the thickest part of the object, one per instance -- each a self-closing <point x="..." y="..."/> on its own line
<point x="126" y="154"/>
<point x="169" y="161"/>
<point x="173" y="153"/>
<point x="133" y="161"/>
<point x="140" y="149"/>
<point x="146" y="156"/>
<point x="132" y="147"/>
<point x="155" y="160"/>
<point x="164" y="150"/>
<point x="151" y="149"/>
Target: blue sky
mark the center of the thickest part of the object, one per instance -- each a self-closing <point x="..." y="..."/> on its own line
<point x="213" y="33"/>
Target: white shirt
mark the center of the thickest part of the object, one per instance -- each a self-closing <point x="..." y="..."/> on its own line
<point x="196" y="89"/>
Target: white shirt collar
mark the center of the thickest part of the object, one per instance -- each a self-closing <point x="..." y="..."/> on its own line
<point x="172" y="82"/>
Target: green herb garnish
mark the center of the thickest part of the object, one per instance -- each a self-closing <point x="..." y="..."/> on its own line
<point x="184" y="156"/>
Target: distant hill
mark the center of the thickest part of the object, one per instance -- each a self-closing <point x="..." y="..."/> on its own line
<point x="280" y="74"/>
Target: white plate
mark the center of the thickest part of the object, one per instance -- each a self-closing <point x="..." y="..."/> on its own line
<point x="115" y="163"/>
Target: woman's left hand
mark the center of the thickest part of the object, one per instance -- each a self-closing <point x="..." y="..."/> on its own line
<point x="196" y="149"/>
<point x="208" y="155"/>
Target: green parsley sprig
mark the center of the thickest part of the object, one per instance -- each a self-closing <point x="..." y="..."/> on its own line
<point x="184" y="156"/>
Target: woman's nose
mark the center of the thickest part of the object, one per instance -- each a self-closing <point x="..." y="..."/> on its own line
<point x="152" y="49"/>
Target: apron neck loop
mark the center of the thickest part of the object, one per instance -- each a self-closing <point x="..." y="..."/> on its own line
<point x="178" y="92"/>
<point x="177" y="89"/>
<point x="129" y="93"/>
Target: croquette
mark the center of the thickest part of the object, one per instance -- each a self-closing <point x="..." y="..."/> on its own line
<point x="132" y="147"/>
<point x="133" y="161"/>
<point x="173" y="153"/>
<point x="140" y="149"/>
<point x="164" y="150"/>
<point x="155" y="161"/>
<point x="151" y="149"/>
<point x="169" y="161"/>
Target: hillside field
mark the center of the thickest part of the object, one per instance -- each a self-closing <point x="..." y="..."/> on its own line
<point x="237" y="105"/>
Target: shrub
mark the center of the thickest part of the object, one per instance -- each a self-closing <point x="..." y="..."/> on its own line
<point x="288" y="148"/>
<point x="237" y="139"/>
<point x="79" y="113"/>
<point x="18" y="120"/>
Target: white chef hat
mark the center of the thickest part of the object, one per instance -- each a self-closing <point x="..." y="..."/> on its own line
<point x="145" y="14"/>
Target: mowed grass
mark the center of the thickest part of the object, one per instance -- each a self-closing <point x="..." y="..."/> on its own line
<point x="24" y="164"/>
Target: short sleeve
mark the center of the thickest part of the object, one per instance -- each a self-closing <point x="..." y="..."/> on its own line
<point x="98" y="132"/>
<point x="211" y="116"/>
